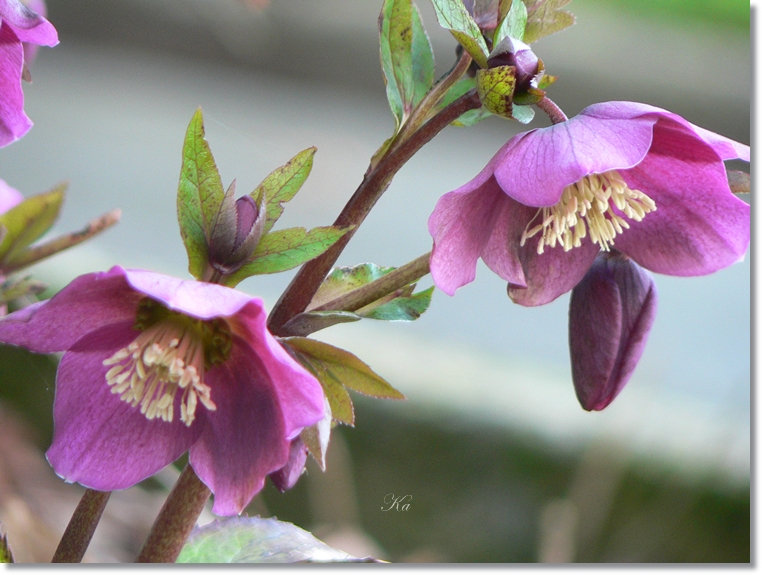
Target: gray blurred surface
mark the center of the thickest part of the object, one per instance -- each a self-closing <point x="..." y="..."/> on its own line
<point x="112" y="101"/>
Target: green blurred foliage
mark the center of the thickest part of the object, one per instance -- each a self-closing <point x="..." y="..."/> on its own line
<point x="732" y="13"/>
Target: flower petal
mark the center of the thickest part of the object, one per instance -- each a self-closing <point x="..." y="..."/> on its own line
<point x="552" y="273"/>
<point x="9" y="197"/>
<point x="198" y="299"/>
<point x="699" y="226"/>
<point x="14" y="123"/>
<point x="244" y="439"/>
<point x="89" y="302"/>
<point x="501" y="254"/>
<point x="287" y="476"/>
<point x="461" y="225"/>
<point x="611" y="312"/>
<point x="535" y="167"/>
<point x="28" y="25"/>
<point x="300" y="395"/>
<point x="100" y="441"/>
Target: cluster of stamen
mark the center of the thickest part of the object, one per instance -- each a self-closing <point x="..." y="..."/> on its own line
<point x="168" y="356"/>
<point x="587" y="208"/>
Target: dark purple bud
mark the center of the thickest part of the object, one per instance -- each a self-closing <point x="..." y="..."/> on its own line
<point x="287" y="476"/>
<point x="246" y="217"/>
<point x="513" y="52"/>
<point x="611" y="312"/>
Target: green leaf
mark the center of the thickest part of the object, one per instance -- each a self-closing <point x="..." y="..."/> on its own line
<point x="27" y="221"/>
<point x="199" y="195"/>
<point x="5" y="551"/>
<point x="286" y="249"/>
<point x="343" y="280"/>
<point x="344" y="367"/>
<point x="453" y="16"/>
<point x="523" y="114"/>
<point x="496" y="87"/>
<point x="472" y="117"/>
<point x="283" y="184"/>
<point x="407" y="308"/>
<point x="258" y="540"/>
<point x="513" y="24"/>
<point x="423" y="59"/>
<point x="456" y="91"/>
<point x="15" y="288"/>
<point x="545" y="17"/>
<point x="312" y="321"/>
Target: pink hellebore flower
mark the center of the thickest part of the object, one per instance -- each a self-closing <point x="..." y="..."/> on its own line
<point x="621" y="174"/>
<point x="154" y="366"/>
<point x="19" y="28"/>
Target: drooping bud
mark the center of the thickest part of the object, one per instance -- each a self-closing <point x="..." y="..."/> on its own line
<point x="513" y="52"/>
<point x="611" y="312"/>
<point x="287" y="476"/>
<point x="236" y="232"/>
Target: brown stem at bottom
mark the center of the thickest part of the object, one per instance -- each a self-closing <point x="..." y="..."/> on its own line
<point x="81" y="527"/>
<point x="176" y="519"/>
<point x="302" y="288"/>
<point x="555" y="113"/>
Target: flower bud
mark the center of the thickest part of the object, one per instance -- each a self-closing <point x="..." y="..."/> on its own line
<point x="611" y="312"/>
<point x="513" y="52"/>
<point x="237" y="232"/>
<point x="287" y="476"/>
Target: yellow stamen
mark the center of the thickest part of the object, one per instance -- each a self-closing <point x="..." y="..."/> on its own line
<point x="589" y="201"/>
<point x="171" y="353"/>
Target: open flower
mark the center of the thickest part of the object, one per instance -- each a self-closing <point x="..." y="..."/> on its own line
<point x="19" y="27"/>
<point x="154" y="366"/>
<point x="619" y="174"/>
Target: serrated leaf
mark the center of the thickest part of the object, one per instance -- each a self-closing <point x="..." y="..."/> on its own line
<point x="453" y="16"/>
<point x="317" y="437"/>
<point x="343" y="280"/>
<point x="283" y="184"/>
<point x="199" y="195"/>
<point x="286" y="249"/>
<point x="258" y="540"/>
<point x="407" y="308"/>
<point x="27" y="221"/>
<point x="513" y="24"/>
<point x="545" y="17"/>
<point x="344" y="367"/>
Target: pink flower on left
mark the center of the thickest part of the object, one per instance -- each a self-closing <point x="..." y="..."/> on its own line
<point x="154" y="366"/>
<point x="20" y="28"/>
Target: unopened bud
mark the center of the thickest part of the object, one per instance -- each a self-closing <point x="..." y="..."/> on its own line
<point x="513" y="52"/>
<point x="611" y="312"/>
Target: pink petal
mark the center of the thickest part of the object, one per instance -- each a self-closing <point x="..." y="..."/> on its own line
<point x="9" y="197"/>
<point x="244" y="439"/>
<point x="287" y="476"/>
<point x="699" y="226"/>
<point x="461" y="225"/>
<point x="299" y="393"/>
<point x="100" y="441"/>
<point x="14" y="123"/>
<point x="198" y="299"/>
<point x="552" y="273"/>
<point x="28" y="25"/>
<point x="89" y="302"/>
<point x="501" y="254"/>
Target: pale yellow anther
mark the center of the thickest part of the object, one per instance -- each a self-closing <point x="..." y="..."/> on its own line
<point x="585" y="208"/>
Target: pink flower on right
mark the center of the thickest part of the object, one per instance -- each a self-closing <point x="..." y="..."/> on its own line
<point x="619" y="177"/>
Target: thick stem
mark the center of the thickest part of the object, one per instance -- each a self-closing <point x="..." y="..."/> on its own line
<point x="81" y="527"/>
<point x="555" y="113"/>
<point x="381" y="287"/>
<point x="302" y="288"/>
<point x="176" y="519"/>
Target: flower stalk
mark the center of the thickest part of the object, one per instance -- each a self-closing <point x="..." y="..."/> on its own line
<point x="176" y="519"/>
<point x="305" y="284"/>
<point x="81" y="527"/>
<point x="555" y="113"/>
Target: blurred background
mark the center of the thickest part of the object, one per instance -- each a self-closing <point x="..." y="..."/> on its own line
<point x="500" y="461"/>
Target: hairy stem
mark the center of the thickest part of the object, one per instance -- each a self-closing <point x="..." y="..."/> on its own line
<point x="555" y="113"/>
<point x="176" y="519"/>
<point x="302" y="288"/>
<point x="81" y="527"/>
<point x="381" y="287"/>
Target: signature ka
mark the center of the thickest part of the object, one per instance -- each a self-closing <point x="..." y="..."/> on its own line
<point x="397" y="503"/>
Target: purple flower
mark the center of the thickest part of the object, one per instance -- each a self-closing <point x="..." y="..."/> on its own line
<point x="154" y="366"/>
<point x="611" y="312"/>
<point x="19" y="27"/>
<point x="621" y="174"/>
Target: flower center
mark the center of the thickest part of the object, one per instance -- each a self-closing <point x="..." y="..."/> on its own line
<point x="172" y="352"/>
<point x="590" y="201"/>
